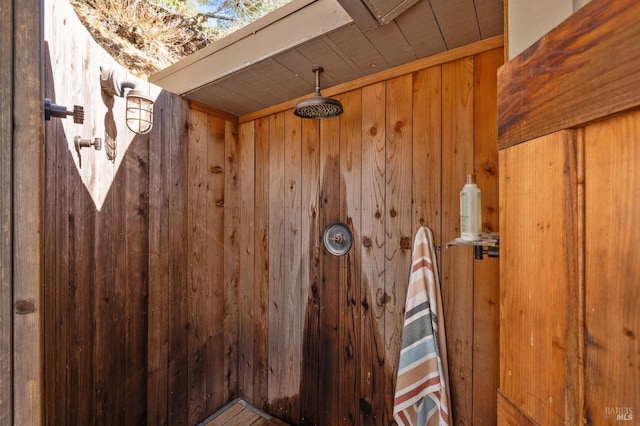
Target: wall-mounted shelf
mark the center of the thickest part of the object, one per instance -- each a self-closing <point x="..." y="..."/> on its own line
<point x="490" y="240"/>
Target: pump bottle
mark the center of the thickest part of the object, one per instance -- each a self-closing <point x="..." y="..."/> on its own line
<point x="470" y="210"/>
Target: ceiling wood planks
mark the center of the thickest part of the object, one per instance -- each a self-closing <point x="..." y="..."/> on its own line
<point x="421" y="30"/>
<point x="392" y="44"/>
<point x="457" y="20"/>
<point x="490" y="17"/>
<point x="347" y="53"/>
<point x="354" y="45"/>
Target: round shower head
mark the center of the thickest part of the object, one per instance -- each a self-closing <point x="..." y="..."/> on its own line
<point x="318" y="106"/>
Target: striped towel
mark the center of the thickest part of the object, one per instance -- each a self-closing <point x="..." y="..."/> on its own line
<point x="422" y="393"/>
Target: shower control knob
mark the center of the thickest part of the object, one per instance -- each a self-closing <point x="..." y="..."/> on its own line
<point x="338" y="238"/>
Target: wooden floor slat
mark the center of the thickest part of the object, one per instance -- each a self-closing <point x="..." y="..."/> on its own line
<point x="239" y="412"/>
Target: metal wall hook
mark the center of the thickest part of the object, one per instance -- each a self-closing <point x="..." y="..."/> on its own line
<point x="87" y="143"/>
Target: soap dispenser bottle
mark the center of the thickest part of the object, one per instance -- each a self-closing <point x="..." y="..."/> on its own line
<point x="470" y="210"/>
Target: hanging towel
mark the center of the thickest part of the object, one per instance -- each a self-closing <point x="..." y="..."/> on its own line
<point x="422" y="391"/>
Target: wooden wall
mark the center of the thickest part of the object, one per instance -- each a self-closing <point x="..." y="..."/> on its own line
<point x="569" y="191"/>
<point x="116" y="312"/>
<point x="319" y="335"/>
<point x="184" y="268"/>
<point x="21" y="212"/>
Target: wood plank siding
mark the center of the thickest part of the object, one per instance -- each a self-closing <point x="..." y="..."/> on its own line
<point x="393" y="161"/>
<point x="6" y="213"/>
<point x="239" y="412"/>
<point x="185" y="268"/>
<point x="569" y="189"/>
<point x="21" y="213"/>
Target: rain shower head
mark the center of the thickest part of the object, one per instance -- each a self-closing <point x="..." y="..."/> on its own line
<point x="318" y="106"/>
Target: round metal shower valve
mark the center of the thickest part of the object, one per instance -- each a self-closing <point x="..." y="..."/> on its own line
<point x="337" y="238"/>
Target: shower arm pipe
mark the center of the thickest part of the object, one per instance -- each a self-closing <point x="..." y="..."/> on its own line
<point x="126" y="84"/>
<point x="112" y="84"/>
<point x="318" y="70"/>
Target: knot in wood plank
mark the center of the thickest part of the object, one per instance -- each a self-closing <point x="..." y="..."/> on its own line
<point x="405" y="243"/>
<point x="24" y="307"/>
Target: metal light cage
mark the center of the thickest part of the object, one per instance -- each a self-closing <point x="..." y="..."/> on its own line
<point x="139" y="114"/>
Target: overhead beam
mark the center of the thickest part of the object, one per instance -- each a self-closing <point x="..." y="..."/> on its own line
<point x="360" y="13"/>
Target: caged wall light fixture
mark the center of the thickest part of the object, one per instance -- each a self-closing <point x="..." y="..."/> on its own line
<point x="139" y="114"/>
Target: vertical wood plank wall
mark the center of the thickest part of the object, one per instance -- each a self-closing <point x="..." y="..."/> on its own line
<point x="21" y="213"/>
<point x="568" y="228"/>
<point x="394" y="161"/>
<point x="6" y="213"/>
<point x="612" y="321"/>
<point x="201" y="277"/>
<point x="569" y="189"/>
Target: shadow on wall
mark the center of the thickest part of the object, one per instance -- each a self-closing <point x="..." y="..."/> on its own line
<point x="97" y="267"/>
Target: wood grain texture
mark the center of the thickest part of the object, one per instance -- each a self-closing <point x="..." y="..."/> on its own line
<point x="99" y="255"/>
<point x="457" y="263"/>
<point x="239" y="412"/>
<point x="28" y="212"/>
<point x="166" y="203"/>
<point x="486" y="284"/>
<point x="293" y="283"/>
<point x="230" y="245"/>
<point x="56" y="255"/>
<point x="427" y="151"/>
<point x="261" y="266"/>
<point x="246" y="255"/>
<point x="397" y="139"/>
<point x="594" y="197"/>
<point x="612" y="321"/>
<point x="329" y="291"/>
<point x="562" y="80"/>
<point x="176" y="136"/>
<point x="397" y="217"/>
<point x="408" y="68"/>
<point x="510" y="415"/>
<point x="538" y="225"/>
<point x="159" y="282"/>
<point x="137" y="278"/>
<point x="350" y="264"/>
<point x="119" y="338"/>
<point x="6" y="223"/>
<point x="209" y="110"/>
<point x="198" y="266"/>
<point x="212" y="315"/>
<point x="277" y="284"/>
<point x="215" y="261"/>
<point x="372" y="370"/>
<point x="210" y="302"/>
<point x="310" y="270"/>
